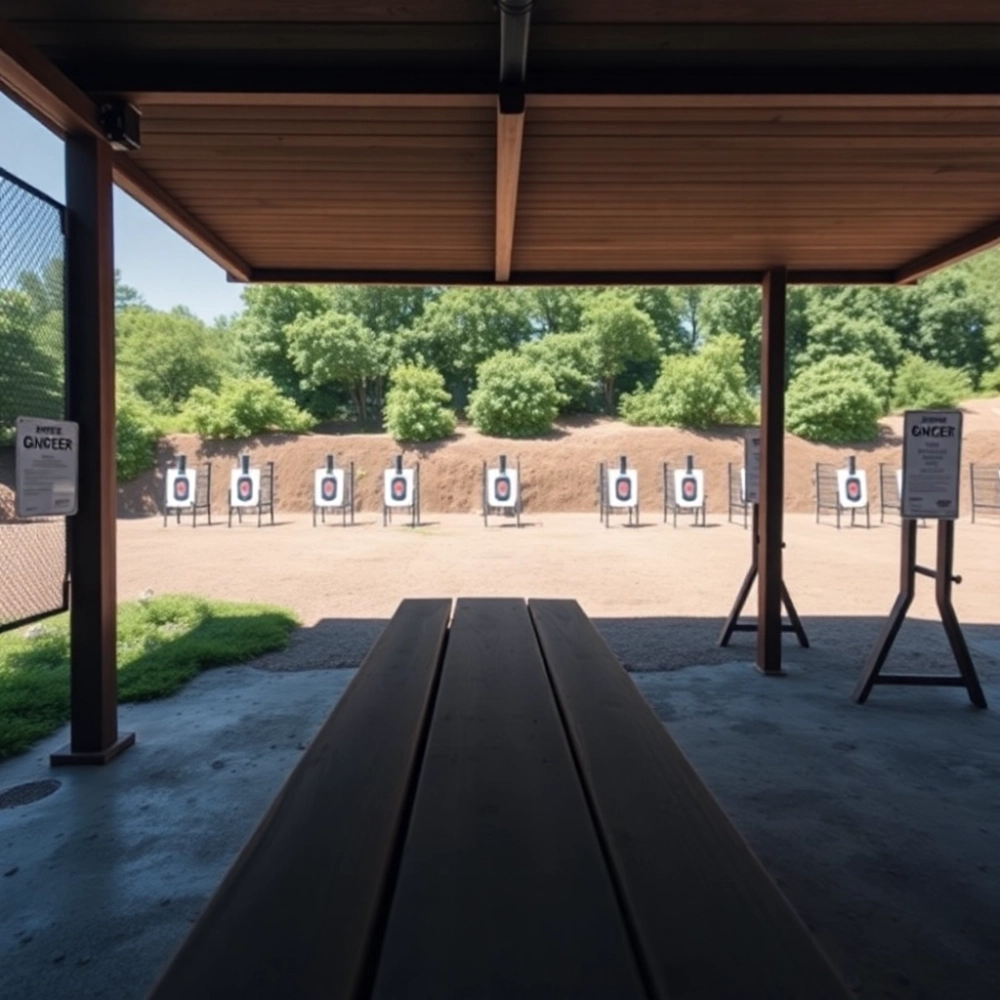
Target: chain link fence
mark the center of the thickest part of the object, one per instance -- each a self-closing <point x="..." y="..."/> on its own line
<point x="32" y="384"/>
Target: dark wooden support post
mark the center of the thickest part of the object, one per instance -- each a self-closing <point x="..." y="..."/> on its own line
<point x="772" y="471"/>
<point x="90" y="305"/>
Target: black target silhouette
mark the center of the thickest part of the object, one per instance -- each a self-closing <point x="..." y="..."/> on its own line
<point x="181" y="489"/>
<point x="328" y="488"/>
<point x="244" y="488"/>
<point x="623" y="488"/>
<point x="501" y="488"/>
<point x="397" y="488"/>
<point x="853" y="488"/>
<point x="689" y="488"/>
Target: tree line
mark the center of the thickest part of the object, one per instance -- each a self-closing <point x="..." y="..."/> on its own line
<point x="512" y="360"/>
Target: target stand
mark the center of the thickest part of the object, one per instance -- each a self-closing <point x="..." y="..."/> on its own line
<point x="333" y="490"/>
<point x="502" y="492"/>
<point x="187" y="491"/>
<point x="943" y="578"/>
<point x="684" y="492"/>
<point x="618" y="492"/>
<point x="251" y="490"/>
<point x="842" y="490"/>
<point x="733" y="623"/>
<point x="737" y="483"/>
<point x="401" y="492"/>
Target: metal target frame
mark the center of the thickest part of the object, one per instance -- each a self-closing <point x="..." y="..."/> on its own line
<point x="267" y="484"/>
<point x="348" y="506"/>
<point x="488" y="508"/>
<point x="202" y="495"/>
<point x="605" y="508"/>
<point x="826" y="480"/>
<point x="670" y="505"/>
<point x="413" y="508"/>
<point x="737" y="493"/>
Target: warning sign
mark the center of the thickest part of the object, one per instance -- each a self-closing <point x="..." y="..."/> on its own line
<point x="932" y="456"/>
<point x="46" y="467"/>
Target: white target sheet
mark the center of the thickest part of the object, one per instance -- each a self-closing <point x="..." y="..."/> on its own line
<point x="852" y="488"/>
<point x="623" y="488"/>
<point x="244" y="488"/>
<point x="399" y="488"/>
<point x="501" y="487"/>
<point x="689" y="488"/>
<point x="181" y="488"/>
<point x="328" y="489"/>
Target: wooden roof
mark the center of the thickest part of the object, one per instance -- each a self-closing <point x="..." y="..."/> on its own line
<point x="648" y="141"/>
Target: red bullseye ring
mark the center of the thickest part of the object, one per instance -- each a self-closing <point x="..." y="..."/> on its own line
<point x="853" y="489"/>
<point x="398" y="488"/>
<point x="245" y="489"/>
<point x="180" y="489"/>
<point x="623" y="488"/>
<point x="689" y="489"/>
<point x="330" y="489"/>
<point x="502" y="489"/>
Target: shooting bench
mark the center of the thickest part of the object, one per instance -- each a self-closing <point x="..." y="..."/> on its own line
<point x="493" y="810"/>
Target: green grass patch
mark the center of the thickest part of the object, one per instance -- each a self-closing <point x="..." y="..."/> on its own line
<point x="162" y="644"/>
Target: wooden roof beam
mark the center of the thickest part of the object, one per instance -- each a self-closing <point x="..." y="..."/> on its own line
<point x="951" y="253"/>
<point x="33" y="82"/>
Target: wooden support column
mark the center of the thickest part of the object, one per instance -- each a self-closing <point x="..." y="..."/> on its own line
<point x="90" y="368"/>
<point x="510" y="135"/>
<point x="772" y="471"/>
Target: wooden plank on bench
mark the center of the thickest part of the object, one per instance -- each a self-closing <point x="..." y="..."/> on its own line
<point x="709" y="921"/>
<point x="502" y="891"/>
<point x="299" y="911"/>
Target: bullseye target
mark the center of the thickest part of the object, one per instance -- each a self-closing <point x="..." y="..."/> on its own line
<point x="328" y="490"/>
<point x="244" y="487"/>
<point x="623" y="488"/>
<point x="689" y="488"/>
<point x="399" y="487"/>
<point x="181" y="487"/>
<point x="502" y="487"/>
<point x="852" y="488"/>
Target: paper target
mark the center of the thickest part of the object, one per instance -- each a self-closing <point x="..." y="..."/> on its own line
<point x="399" y="488"/>
<point x="244" y="488"/>
<point x="181" y="488"/>
<point x="623" y="488"/>
<point x="743" y="485"/>
<point x="852" y="488"/>
<point x="502" y="487"/>
<point x="328" y="490"/>
<point x="689" y="488"/>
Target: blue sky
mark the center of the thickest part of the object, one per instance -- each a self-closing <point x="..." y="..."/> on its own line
<point x="165" y="268"/>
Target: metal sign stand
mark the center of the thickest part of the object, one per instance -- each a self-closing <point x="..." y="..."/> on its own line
<point x="733" y="623"/>
<point x="943" y="579"/>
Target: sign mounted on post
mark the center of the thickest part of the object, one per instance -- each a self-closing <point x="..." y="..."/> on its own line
<point x="932" y="456"/>
<point x="46" y="461"/>
<point x="751" y="466"/>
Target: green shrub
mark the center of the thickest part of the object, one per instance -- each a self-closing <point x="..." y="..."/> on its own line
<point x="700" y="390"/>
<point x="926" y="385"/>
<point x="570" y="359"/>
<point x="991" y="382"/>
<point x="137" y="432"/>
<point x="513" y="397"/>
<point x="416" y="405"/>
<point x="243" y="407"/>
<point x="837" y="401"/>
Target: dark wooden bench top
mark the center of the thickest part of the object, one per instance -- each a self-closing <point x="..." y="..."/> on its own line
<point x="502" y="891"/>
<point x="709" y="921"/>
<point x="298" y="913"/>
<point x="493" y="811"/>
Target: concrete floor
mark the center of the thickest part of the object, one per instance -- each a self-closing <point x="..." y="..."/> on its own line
<point x="881" y="823"/>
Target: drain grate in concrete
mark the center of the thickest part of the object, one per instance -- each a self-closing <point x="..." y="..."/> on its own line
<point x="30" y="791"/>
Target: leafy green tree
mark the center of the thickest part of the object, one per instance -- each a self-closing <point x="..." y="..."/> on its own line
<point x="337" y="349"/>
<point x="569" y="359"/>
<point x="954" y="324"/>
<point x="621" y="333"/>
<point x="243" y="406"/>
<point x="513" y="397"/>
<point x="674" y="312"/>
<point x="31" y="369"/>
<point x="558" y="310"/>
<point x="163" y="356"/>
<point x="137" y="432"/>
<point x="838" y="336"/>
<point x="701" y="390"/>
<point x="926" y="385"/>
<point x="991" y="382"/>
<point x="838" y="400"/>
<point x="463" y="328"/>
<point x="263" y="342"/>
<point x="127" y="297"/>
<point x="416" y="405"/>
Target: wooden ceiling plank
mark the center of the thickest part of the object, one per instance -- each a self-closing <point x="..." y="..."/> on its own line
<point x="950" y="253"/>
